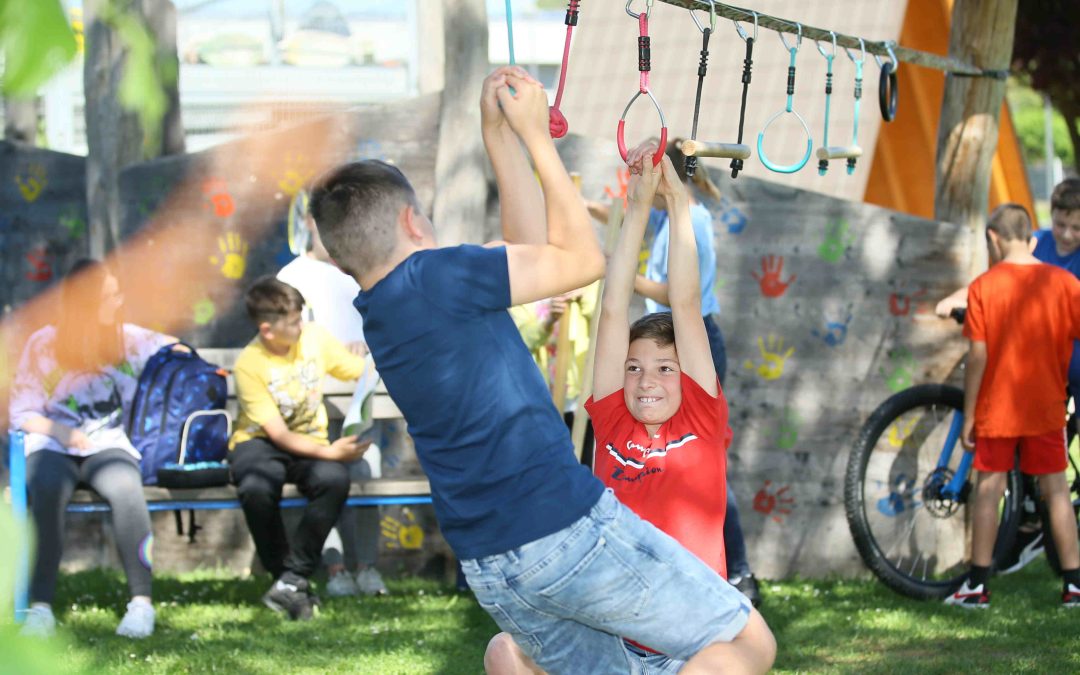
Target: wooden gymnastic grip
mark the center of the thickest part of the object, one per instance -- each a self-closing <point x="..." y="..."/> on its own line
<point x="839" y="152"/>
<point x="709" y="149"/>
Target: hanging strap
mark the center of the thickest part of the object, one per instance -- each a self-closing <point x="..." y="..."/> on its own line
<point x="557" y="123"/>
<point x="703" y="65"/>
<point x="748" y="63"/>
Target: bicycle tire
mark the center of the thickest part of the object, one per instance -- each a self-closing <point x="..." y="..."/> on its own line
<point x="944" y="567"/>
<point x="1049" y="545"/>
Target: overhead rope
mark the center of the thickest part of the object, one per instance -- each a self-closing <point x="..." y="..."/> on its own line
<point x="948" y="64"/>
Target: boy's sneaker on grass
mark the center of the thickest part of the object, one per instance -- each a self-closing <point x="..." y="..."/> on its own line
<point x="40" y="623"/>
<point x="970" y="598"/>
<point x="370" y="582"/>
<point x="138" y="622"/>
<point x="290" y="595"/>
<point x="748" y="586"/>
<point x="1028" y="546"/>
<point x="1070" y="596"/>
<point x="341" y="585"/>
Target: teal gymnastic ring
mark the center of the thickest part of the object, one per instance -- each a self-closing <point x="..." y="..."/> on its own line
<point x="791" y="168"/>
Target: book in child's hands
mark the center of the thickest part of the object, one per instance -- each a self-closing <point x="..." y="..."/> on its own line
<point x="359" y="418"/>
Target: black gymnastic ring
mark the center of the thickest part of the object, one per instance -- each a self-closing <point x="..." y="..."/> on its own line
<point x="888" y="93"/>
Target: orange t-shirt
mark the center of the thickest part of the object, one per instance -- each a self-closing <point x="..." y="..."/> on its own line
<point x="1028" y="316"/>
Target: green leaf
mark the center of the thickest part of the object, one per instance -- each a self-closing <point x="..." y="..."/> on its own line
<point x="37" y="41"/>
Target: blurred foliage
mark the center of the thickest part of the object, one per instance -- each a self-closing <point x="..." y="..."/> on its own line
<point x="1029" y="118"/>
<point x="37" y="42"/>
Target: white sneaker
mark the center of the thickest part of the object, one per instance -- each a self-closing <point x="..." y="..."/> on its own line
<point x="139" y="620"/>
<point x="341" y="585"/>
<point x="40" y="623"/>
<point x="370" y="582"/>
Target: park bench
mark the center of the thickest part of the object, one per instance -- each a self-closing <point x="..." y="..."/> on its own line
<point x="336" y="395"/>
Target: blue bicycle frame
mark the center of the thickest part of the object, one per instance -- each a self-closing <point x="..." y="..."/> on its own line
<point x="954" y="488"/>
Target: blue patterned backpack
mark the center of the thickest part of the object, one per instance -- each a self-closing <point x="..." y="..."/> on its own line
<point x="175" y="387"/>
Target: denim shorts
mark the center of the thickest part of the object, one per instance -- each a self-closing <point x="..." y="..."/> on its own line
<point x="568" y="598"/>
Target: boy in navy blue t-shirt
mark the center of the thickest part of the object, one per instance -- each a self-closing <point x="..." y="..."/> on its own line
<point x="556" y="561"/>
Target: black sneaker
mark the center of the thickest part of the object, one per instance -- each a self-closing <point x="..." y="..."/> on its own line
<point x="969" y="597"/>
<point x="290" y="595"/>
<point x="748" y="586"/>
<point x="1070" y="596"/>
<point x="1028" y="546"/>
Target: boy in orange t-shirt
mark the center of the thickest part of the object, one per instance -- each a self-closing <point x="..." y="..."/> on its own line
<point x="1022" y="318"/>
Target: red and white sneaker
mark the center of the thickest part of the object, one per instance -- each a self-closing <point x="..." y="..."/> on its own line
<point x="1070" y="596"/>
<point x="970" y="597"/>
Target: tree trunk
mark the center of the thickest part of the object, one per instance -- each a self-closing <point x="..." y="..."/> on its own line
<point x="160" y="18"/>
<point x="20" y="120"/>
<point x="1072" y="121"/>
<point x="461" y="184"/>
<point x="114" y="137"/>
<point x="982" y="35"/>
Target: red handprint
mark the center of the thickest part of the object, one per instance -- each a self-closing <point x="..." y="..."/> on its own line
<point x="900" y="303"/>
<point x="40" y="270"/>
<point x="772" y="268"/>
<point x="221" y="202"/>
<point x="773" y="503"/>
<point x="623" y="176"/>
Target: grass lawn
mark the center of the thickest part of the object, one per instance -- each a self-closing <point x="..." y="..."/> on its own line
<point x="211" y="622"/>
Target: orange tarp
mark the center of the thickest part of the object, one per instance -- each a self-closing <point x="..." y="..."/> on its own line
<point x="902" y="171"/>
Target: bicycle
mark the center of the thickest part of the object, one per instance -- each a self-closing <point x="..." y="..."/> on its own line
<point x="907" y="491"/>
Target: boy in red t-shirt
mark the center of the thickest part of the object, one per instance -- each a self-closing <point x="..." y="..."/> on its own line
<point x="660" y="419"/>
<point x="1022" y="318"/>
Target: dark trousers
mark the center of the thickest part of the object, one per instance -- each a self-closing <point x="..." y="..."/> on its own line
<point x="260" y="470"/>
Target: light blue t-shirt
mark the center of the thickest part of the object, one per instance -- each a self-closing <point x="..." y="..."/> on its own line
<point x="657" y="269"/>
<point x="496" y="451"/>
<point x="1046" y="251"/>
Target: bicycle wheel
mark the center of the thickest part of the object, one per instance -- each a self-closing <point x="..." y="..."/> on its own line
<point x="916" y="542"/>
<point x="1072" y="475"/>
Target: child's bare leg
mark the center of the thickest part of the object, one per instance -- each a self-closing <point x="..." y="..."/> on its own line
<point x="1055" y="491"/>
<point x="988" y="495"/>
<point x="504" y="657"/>
<point x="752" y="651"/>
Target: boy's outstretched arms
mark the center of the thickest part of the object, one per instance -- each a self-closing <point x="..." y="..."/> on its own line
<point x="569" y="256"/>
<point x="523" y="216"/>
<point x="684" y="283"/>
<point x="613" y="331"/>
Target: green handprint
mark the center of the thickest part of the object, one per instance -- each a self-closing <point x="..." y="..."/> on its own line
<point x="772" y="362"/>
<point x="789" y="429"/>
<point x="903" y="369"/>
<point x="203" y="311"/>
<point x="72" y="222"/>
<point x="837" y="240"/>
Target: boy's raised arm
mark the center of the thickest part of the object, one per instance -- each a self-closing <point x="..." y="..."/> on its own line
<point x="570" y="257"/>
<point x="523" y="216"/>
<point x="684" y="284"/>
<point x="613" y="329"/>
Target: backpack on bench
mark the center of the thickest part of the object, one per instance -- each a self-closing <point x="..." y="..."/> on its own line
<point x="178" y="421"/>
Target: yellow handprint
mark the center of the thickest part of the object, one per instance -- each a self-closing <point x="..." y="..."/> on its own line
<point x="899" y="432"/>
<point x="32" y="182"/>
<point x="233" y="259"/>
<point x="296" y="175"/>
<point x="772" y="361"/>
<point x="401" y="535"/>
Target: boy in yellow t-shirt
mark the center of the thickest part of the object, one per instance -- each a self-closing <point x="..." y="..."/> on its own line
<point x="281" y="436"/>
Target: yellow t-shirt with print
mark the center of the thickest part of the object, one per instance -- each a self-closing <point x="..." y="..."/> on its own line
<point x="290" y="385"/>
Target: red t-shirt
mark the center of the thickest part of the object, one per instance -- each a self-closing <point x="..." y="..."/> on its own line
<point x="1028" y="316"/>
<point x="676" y="480"/>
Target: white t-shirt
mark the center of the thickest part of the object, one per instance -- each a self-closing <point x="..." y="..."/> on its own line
<point x="329" y="294"/>
<point x="94" y="403"/>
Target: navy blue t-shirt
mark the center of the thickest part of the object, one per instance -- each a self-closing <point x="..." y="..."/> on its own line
<point x="495" y="449"/>
<point x="1046" y="251"/>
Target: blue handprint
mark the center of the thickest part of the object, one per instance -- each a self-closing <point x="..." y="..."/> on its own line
<point x="835" y="331"/>
<point x="900" y="498"/>
<point x="732" y="217"/>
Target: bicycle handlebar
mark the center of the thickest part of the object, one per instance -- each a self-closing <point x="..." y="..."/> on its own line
<point x="958" y="314"/>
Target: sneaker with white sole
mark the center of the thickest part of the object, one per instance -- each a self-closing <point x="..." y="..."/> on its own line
<point x="370" y="582"/>
<point x="1028" y="546"/>
<point x="970" y="597"/>
<point x="1070" y="596"/>
<point x="341" y="585"/>
<point x="291" y="596"/>
<point x="138" y="622"/>
<point x="40" y="622"/>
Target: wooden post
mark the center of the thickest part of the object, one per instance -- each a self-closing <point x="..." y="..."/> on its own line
<point x="563" y="348"/>
<point x="581" y="418"/>
<point x="981" y="34"/>
<point x="461" y="185"/>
